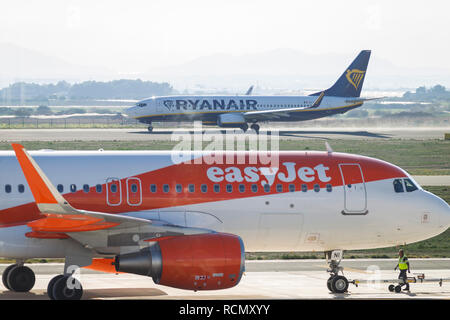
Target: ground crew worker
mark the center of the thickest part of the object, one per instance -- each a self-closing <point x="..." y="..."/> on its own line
<point x="403" y="265"/>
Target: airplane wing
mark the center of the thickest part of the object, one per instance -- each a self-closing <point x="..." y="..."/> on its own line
<point x="61" y="220"/>
<point x="263" y="115"/>
<point x="363" y="99"/>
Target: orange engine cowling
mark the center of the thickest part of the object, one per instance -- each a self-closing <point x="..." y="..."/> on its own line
<point x="193" y="262"/>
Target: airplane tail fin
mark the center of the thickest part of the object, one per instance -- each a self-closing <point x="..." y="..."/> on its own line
<point x="351" y="81"/>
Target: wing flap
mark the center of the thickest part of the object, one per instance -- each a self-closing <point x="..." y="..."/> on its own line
<point x="76" y="223"/>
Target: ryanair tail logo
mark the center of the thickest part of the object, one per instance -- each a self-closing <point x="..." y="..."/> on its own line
<point x="355" y="76"/>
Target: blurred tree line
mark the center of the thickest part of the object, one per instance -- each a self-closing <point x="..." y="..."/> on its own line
<point x="436" y="93"/>
<point x="87" y="90"/>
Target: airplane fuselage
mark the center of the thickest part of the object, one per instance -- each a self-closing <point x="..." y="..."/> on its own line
<point x="209" y="108"/>
<point x="312" y="201"/>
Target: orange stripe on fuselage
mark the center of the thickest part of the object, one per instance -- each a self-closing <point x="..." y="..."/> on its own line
<point x="196" y="174"/>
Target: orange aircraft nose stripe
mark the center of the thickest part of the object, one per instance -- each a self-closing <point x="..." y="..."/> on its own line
<point x="39" y="189"/>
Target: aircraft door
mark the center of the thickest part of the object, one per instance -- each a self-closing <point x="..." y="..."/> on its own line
<point x="113" y="192"/>
<point x="355" y="195"/>
<point x="134" y="191"/>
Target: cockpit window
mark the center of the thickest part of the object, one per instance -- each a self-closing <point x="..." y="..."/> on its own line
<point x="141" y="104"/>
<point x="398" y="186"/>
<point x="409" y="185"/>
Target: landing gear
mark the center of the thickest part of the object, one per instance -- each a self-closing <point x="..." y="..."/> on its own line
<point x="255" y="127"/>
<point x="244" y="127"/>
<point x="18" y="278"/>
<point x="64" y="287"/>
<point x="150" y="128"/>
<point x="336" y="283"/>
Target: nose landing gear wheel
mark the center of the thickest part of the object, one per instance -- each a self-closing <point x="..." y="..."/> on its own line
<point x="150" y="129"/>
<point x="329" y="284"/>
<point x="339" y="284"/>
<point x="20" y="279"/>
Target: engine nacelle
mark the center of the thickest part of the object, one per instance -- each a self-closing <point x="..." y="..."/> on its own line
<point x="193" y="262"/>
<point x="231" y="120"/>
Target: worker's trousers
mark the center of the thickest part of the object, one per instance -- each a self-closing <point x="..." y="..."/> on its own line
<point x="403" y="276"/>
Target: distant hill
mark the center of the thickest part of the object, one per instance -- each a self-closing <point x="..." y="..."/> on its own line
<point x="24" y="64"/>
<point x="87" y="90"/>
<point x="290" y="69"/>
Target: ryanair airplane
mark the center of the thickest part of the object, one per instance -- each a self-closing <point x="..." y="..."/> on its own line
<point x="241" y="110"/>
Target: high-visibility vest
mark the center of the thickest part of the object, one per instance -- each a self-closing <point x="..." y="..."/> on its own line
<point x="402" y="263"/>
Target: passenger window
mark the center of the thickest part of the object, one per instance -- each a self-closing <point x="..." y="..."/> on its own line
<point x="267" y="187"/>
<point x="279" y="188"/>
<point x="398" y="185"/>
<point x="166" y="188"/>
<point x="409" y="185"/>
<point x="153" y="188"/>
<point x="329" y="187"/>
<point x="113" y="188"/>
<point x="98" y="188"/>
<point x="60" y="188"/>
<point x="304" y="188"/>
<point x="229" y="188"/>
<point x="316" y="188"/>
<point x="178" y="188"/>
<point x="292" y="187"/>
<point x="241" y="188"/>
<point x="86" y="188"/>
<point x="21" y="188"/>
<point x="191" y="188"/>
<point x="8" y="188"/>
<point x="204" y="188"/>
<point x="254" y="188"/>
<point x="73" y="188"/>
<point x="216" y="188"/>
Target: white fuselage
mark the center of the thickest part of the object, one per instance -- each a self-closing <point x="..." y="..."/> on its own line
<point x="315" y="220"/>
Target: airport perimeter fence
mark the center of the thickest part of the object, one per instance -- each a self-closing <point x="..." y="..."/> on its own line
<point x="68" y="123"/>
<point x="124" y="122"/>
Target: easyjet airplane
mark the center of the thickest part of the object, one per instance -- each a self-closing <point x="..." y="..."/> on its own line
<point x="241" y="110"/>
<point x="185" y="225"/>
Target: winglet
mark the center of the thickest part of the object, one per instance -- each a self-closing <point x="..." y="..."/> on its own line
<point x="318" y="101"/>
<point x="47" y="198"/>
<point x="249" y="91"/>
<point x="329" y="149"/>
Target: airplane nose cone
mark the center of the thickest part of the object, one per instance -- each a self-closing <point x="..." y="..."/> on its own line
<point x="442" y="209"/>
<point x="445" y="215"/>
<point x="130" y="112"/>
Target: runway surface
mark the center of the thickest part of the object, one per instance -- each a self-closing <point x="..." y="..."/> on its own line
<point x="282" y="279"/>
<point x="166" y="134"/>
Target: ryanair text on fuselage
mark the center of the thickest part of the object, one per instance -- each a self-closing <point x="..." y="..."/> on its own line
<point x="208" y="104"/>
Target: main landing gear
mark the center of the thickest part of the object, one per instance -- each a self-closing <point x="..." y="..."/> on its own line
<point x="254" y="126"/>
<point x="336" y="283"/>
<point x="18" y="278"/>
<point x="64" y="287"/>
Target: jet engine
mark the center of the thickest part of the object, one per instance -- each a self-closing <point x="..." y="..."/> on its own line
<point x="193" y="262"/>
<point x="231" y="120"/>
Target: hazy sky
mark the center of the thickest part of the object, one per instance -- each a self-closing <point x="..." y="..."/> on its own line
<point x="132" y="35"/>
